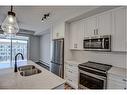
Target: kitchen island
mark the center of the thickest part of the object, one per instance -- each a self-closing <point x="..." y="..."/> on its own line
<point x="44" y="80"/>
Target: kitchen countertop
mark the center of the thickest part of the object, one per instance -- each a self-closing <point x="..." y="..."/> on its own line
<point x="73" y="62"/>
<point x="118" y="71"/>
<point x="43" y="80"/>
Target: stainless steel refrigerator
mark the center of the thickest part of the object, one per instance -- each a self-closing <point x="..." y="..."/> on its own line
<point x="57" y="63"/>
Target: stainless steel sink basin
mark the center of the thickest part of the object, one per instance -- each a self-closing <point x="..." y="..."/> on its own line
<point x="28" y="70"/>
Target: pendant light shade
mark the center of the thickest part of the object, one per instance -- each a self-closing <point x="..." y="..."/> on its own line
<point x="9" y="25"/>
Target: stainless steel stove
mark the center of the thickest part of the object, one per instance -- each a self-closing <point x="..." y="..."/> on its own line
<point x="93" y="75"/>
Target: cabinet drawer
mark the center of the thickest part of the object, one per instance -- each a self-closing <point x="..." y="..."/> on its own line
<point x="72" y="82"/>
<point x="73" y="77"/>
<point x="72" y="67"/>
<point x="71" y="72"/>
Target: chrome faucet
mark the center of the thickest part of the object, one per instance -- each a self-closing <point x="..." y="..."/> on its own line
<point x="15" y="67"/>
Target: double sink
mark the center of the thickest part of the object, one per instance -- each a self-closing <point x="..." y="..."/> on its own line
<point x="28" y="70"/>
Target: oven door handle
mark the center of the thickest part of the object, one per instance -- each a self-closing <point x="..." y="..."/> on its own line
<point x="93" y="75"/>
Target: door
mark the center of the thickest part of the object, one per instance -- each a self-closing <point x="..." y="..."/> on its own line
<point x="80" y="34"/>
<point x="57" y="69"/>
<point x="104" y="24"/>
<point x="57" y="62"/>
<point x="119" y="30"/>
<point x="73" y="35"/>
<point x="90" y="82"/>
<point x="113" y="84"/>
<point x="91" y="25"/>
<point x="57" y="55"/>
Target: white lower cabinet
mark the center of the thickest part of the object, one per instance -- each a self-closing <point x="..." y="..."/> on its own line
<point x="71" y="74"/>
<point x="116" y="82"/>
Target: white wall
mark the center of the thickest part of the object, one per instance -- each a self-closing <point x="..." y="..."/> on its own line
<point x="45" y="48"/>
<point x="117" y="59"/>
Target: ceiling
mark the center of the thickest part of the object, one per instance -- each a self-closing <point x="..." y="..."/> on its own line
<point x="29" y="17"/>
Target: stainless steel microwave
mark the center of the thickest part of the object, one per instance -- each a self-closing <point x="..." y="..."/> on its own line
<point x="98" y="43"/>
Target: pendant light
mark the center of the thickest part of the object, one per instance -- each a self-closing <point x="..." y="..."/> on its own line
<point x="10" y="26"/>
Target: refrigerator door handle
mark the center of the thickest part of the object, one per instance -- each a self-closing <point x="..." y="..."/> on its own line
<point x="55" y="62"/>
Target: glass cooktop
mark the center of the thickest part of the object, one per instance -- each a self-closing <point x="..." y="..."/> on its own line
<point x="98" y="66"/>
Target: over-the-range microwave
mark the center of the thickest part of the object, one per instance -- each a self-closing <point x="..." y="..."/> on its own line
<point x="97" y="43"/>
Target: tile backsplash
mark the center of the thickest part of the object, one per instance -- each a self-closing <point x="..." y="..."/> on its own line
<point x="118" y="59"/>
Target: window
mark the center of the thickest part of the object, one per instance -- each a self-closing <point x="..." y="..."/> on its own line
<point x="10" y="47"/>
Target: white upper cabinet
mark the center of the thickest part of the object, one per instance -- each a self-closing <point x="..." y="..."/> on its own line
<point x="119" y="30"/>
<point x="73" y="31"/>
<point x="104" y="24"/>
<point x="98" y="25"/>
<point x="112" y="22"/>
<point x="76" y="35"/>
<point x="58" y="30"/>
<point x="90" y="26"/>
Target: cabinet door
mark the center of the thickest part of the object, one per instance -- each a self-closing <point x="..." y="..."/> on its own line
<point x="73" y="37"/>
<point x="104" y="24"/>
<point x="113" y="84"/>
<point x="80" y="34"/>
<point x="119" y="30"/>
<point x="60" y="34"/>
<point x="71" y="75"/>
<point x="91" y="25"/>
<point x="54" y="34"/>
<point x="76" y="35"/>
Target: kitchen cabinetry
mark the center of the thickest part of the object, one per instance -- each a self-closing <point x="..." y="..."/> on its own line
<point x="58" y="30"/>
<point x="90" y="26"/>
<point x="112" y="22"/>
<point x="98" y="25"/>
<point x="104" y="24"/>
<point x="58" y="35"/>
<point x="76" y="35"/>
<point x="71" y="74"/>
<point x="119" y="30"/>
<point x="117" y="78"/>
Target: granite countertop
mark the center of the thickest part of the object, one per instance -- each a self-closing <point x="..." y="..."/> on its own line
<point x="73" y="62"/>
<point x="43" y="80"/>
<point x="118" y="71"/>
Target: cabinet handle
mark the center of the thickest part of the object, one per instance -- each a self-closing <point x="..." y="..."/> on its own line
<point x="125" y="80"/>
<point x="76" y="45"/>
<point x="57" y="34"/>
<point x="70" y="71"/>
<point x="94" y="31"/>
<point x="70" y="65"/>
<point x="70" y="80"/>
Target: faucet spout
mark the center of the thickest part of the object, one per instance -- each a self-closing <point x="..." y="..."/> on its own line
<point x="15" y="66"/>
